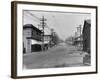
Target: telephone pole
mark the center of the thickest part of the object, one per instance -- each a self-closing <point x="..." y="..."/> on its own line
<point x="79" y="31"/>
<point x="43" y="24"/>
<point x="79" y="28"/>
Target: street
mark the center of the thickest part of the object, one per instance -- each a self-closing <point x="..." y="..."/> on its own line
<point x="61" y="55"/>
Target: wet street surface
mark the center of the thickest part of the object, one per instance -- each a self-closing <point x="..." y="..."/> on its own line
<point x="62" y="55"/>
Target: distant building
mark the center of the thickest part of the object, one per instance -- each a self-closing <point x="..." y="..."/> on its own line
<point x="70" y="40"/>
<point x="47" y="40"/>
<point x="31" y="35"/>
<point x="86" y="35"/>
<point x="78" y="41"/>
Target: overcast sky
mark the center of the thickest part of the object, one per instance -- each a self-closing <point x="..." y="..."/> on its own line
<point x="64" y="24"/>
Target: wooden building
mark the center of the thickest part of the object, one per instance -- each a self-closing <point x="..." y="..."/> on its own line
<point x="30" y="34"/>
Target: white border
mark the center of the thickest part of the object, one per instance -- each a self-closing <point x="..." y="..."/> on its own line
<point x="24" y="72"/>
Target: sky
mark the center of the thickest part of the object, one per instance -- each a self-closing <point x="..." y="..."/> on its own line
<point x="64" y="24"/>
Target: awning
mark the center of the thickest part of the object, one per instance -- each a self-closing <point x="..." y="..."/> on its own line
<point x="39" y="42"/>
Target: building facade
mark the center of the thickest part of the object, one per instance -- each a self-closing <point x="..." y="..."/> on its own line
<point x="47" y="40"/>
<point x="31" y="35"/>
<point x="78" y="41"/>
<point x="86" y="35"/>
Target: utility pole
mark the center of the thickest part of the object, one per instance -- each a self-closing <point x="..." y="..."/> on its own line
<point x="81" y="37"/>
<point x="43" y="24"/>
<point x="79" y="31"/>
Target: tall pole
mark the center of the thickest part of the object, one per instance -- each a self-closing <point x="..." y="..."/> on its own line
<point x="79" y="31"/>
<point x="79" y="34"/>
<point x="80" y="37"/>
<point x="43" y="25"/>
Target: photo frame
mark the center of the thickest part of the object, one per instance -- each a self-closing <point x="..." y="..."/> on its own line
<point x="51" y="39"/>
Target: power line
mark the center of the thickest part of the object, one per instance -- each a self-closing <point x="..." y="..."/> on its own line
<point x="40" y="19"/>
<point x="31" y="18"/>
<point x="33" y="15"/>
<point x="47" y="27"/>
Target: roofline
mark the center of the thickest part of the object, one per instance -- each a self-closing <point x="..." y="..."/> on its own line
<point x="31" y="26"/>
